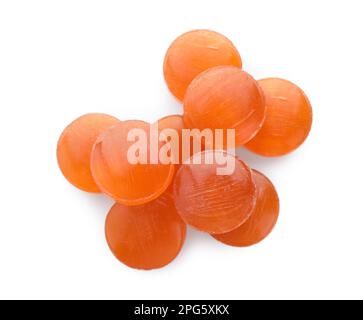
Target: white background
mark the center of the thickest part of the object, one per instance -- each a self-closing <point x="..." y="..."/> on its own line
<point x="61" y="59"/>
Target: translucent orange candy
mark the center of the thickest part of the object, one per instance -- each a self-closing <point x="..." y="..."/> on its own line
<point x="128" y="183"/>
<point x="288" y="119"/>
<point x="262" y="220"/>
<point x="176" y="123"/>
<point x="148" y="236"/>
<point x="225" y="98"/>
<point x="194" y="52"/>
<point x="75" y="146"/>
<point x="210" y="202"/>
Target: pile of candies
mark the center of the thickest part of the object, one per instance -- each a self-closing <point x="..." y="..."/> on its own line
<point x="155" y="201"/>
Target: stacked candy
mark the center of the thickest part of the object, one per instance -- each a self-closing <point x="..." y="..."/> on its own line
<point x="146" y="228"/>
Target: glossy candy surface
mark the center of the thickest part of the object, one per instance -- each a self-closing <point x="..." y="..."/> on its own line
<point x="185" y="145"/>
<point x="225" y="98"/>
<point x="194" y="52"/>
<point x="210" y="202"/>
<point x="262" y="220"/>
<point x="75" y="146"/>
<point x="148" y="236"/>
<point x="127" y="182"/>
<point x="174" y="122"/>
<point x="288" y="119"/>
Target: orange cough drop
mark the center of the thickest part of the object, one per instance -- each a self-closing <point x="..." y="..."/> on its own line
<point x="75" y="146"/>
<point x="210" y="202"/>
<point x="195" y="52"/>
<point x="225" y="98"/>
<point x="288" y="119"/>
<point x="128" y="182"/>
<point x="148" y="236"/>
<point x="173" y="124"/>
<point x="183" y="144"/>
<point x="262" y="220"/>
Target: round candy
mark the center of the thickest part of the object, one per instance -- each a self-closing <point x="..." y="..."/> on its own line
<point x="262" y="220"/>
<point x="194" y="52"/>
<point x="180" y="148"/>
<point x="75" y="146"/>
<point x="176" y="123"/>
<point x="210" y="201"/>
<point x="123" y="166"/>
<point x="225" y="98"/>
<point x="288" y="119"/>
<point x="148" y="236"/>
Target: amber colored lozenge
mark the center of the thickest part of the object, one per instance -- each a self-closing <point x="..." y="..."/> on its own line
<point x="129" y="183"/>
<point x="225" y="98"/>
<point x="75" y="146"/>
<point x="146" y="237"/>
<point x="211" y="202"/>
<point x="288" y="119"/>
<point x="194" y="52"/>
<point x="174" y="122"/>
<point x="185" y="145"/>
<point x="262" y="220"/>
